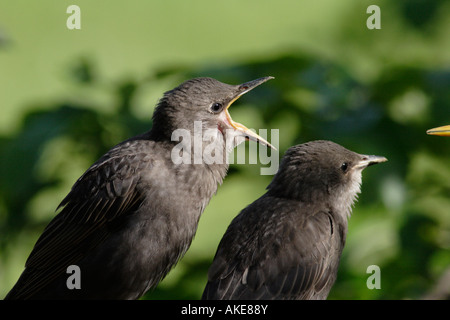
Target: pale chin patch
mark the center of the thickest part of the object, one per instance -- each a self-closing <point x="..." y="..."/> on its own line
<point x="348" y="196"/>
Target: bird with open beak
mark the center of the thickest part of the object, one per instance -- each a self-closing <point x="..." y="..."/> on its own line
<point x="287" y="244"/>
<point x="133" y="214"/>
<point x="440" y="131"/>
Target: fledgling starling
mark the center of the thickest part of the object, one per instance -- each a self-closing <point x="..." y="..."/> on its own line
<point x="132" y="215"/>
<point x="287" y="244"/>
<point x="440" y="131"/>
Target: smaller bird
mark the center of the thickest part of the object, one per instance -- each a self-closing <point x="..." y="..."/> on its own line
<point x="287" y="244"/>
<point x="440" y="131"/>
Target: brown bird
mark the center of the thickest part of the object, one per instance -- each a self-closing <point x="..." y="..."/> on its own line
<point x="287" y="244"/>
<point x="132" y="215"/>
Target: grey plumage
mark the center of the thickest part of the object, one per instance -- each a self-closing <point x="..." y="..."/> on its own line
<point x="287" y="244"/>
<point x="132" y="215"/>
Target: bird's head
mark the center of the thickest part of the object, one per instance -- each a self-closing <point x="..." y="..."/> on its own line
<point x="205" y="101"/>
<point x="322" y="171"/>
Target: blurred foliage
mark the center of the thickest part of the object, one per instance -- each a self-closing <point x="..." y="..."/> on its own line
<point x="401" y="222"/>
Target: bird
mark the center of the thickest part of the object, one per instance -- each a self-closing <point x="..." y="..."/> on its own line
<point x="133" y="214"/>
<point x="440" y="131"/>
<point x="287" y="244"/>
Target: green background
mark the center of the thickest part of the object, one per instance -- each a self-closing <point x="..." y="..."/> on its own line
<point x="67" y="96"/>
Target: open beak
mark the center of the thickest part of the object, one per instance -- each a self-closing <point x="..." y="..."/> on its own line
<point x="367" y="161"/>
<point x="440" y="131"/>
<point x="243" y="130"/>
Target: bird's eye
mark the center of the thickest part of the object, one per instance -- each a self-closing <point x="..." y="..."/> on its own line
<point x="216" y="107"/>
<point x="344" y="166"/>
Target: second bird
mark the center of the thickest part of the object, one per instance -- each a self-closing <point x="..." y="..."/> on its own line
<point x="288" y="243"/>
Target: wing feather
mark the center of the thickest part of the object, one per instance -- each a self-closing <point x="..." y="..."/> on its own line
<point x="276" y="249"/>
<point x="105" y="192"/>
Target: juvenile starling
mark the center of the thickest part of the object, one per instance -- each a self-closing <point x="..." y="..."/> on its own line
<point x="287" y="244"/>
<point x="440" y="131"/>
<point x="132" y="215"/>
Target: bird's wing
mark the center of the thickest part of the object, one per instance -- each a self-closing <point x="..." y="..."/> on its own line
<point x="276" y="250"/>
<point x="105" y="192"/>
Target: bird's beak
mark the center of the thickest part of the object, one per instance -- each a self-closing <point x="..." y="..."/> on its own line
<point x="440" y="131"/>
<point x="369" y="161"/>
<point x="240" y="128"/>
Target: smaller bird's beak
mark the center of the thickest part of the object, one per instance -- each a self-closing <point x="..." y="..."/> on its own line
<point x="243" y="130"/>
<point x="367" y="161"/>
<point x="440" y="131"/>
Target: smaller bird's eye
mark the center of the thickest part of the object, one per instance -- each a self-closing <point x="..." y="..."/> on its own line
<point x="216" y="107"/>
<point x="344" y="166"/>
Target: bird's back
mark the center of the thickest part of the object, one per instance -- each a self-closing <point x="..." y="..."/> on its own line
<point x="278" y="249"/>
<point x="121" y="224"/>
